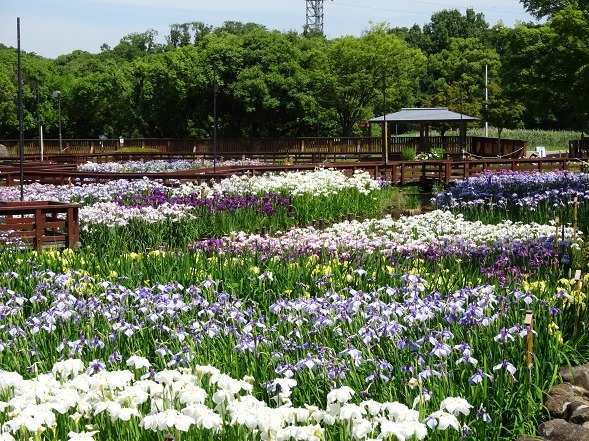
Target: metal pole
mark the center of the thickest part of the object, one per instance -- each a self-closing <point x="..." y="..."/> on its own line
<point x="486" y="98"/>
<point x="462" y="128"/>
<point x="57" y="94"/>
<point x="384" y="119"/>
<point x="214" y="118"/>
<point x="20" y="116"/>
<point x="40" y="124"/>
<point x="59" y="118"/>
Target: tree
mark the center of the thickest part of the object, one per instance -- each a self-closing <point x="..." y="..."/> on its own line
<point x="100" y="102"/>
<point x="503" y="113"/>
<point x="272" y="85"/>
<point x="545" y="72"/>
<point x="39" y="78"/>
<point x="448" y="24"/>
<point x="170" y="93"/>
<point x="137" y="45"/>
<point x="358" y="70"/>
<point x="547" y="8"/>
<point x="187" y="33"/>
<point x="457" y="75"/>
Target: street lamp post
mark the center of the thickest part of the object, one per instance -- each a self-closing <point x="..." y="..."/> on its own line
<point x="385" y="134"/>
<point x="57" y="94"/>
<point x="215" y="122"/>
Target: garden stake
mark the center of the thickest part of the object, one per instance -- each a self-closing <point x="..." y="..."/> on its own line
<point x="575" y="208"/>
<point x="578" y="285"/>
<point x="529" y="324"/>
<point x="202" y="193"/>
<point x="556" y="242"/>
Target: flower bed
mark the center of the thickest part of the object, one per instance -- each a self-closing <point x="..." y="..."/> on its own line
<point x="373" y="329"/>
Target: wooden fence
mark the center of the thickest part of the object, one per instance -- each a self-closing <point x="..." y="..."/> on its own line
<point x="446" y="171"/>
<point x="236" y="147"/>
<point x="395" y="172"/>
<point x="579" y="148"/>
<point x="41" y="223"/>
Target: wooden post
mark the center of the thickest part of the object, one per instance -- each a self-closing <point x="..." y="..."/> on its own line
<point x="529" y="324"/>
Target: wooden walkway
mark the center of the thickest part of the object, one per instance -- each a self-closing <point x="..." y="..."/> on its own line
<point x="394" y="172"/>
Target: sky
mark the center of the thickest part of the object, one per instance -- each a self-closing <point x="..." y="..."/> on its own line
<point x="57" y="27"/>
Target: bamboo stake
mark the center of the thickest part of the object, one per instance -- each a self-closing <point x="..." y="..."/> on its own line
<point x="555" y="263"/>
<point x="529" y="324"/>
<point x="575" y="208"/>
<point x="577" y="306"/>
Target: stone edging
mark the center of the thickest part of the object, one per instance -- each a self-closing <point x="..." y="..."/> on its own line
<point x="568" y="405"/>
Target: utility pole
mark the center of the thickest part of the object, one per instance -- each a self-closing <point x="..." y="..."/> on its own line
<point x="57" y="94"/>
<point x="40" y="124"/>
<point x="314" y="15"/>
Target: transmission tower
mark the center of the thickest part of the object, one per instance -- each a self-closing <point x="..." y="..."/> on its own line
<point x="314" y="15"/>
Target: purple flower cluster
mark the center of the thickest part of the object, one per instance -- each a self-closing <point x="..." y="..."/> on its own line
<point x="329" y="335"/>
<point x="505" y="189"/>
<point x="265" y="204"/>
<point x="504" y="260"/>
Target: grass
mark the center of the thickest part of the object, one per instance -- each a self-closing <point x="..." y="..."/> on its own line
<point x="553" y="140"/>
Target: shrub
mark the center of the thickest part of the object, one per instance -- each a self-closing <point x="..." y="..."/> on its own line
<point x="408" y="154"/>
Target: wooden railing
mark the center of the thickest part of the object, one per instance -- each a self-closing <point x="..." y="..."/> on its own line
<point x="66" y="176"/>
<point x="360" y="146"/>
<point x="41" y="223"/>
<point x="579" y="148"/>
<point x="445" y="171"/>
<point x="395" y="172"/>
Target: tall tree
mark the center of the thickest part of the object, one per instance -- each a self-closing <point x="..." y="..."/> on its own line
<point x="503" y="113"/>
<point x="272" y="84"/>
<point x="361" y="73"/>
<point x="458" y="75"/>
<point x="169" y="93"/>
<point x="138" y="44"/>
<point x="547" y="8"/>
<point x="448" y="24"/>
<point x="543" y="71"/>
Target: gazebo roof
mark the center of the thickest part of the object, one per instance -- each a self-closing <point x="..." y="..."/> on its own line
<point x="423" y="115"/>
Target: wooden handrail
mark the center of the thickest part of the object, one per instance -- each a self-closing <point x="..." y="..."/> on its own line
<point x="42" y="223"/>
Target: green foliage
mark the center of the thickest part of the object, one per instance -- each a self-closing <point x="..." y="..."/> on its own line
<point x="551" y="139"/>
<point x="503" y="114"/>
<point x="449" y="24"/>
<point x="304" y="210"/>
<point x="284" y="84"/>
<point x="359" y="71"/>
<point x="408" y="154"/>
<point x="455" y="74"/>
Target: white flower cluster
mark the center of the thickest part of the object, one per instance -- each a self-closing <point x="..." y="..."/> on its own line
<point x="202" y="398"/>
<point x="413" y="234"/>
<point x="440" y="226"/>
<point x="112" y="214"/>
<point x="318" y="182"/>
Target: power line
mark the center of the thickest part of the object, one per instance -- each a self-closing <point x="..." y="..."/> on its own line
<point x="424" y="3"/>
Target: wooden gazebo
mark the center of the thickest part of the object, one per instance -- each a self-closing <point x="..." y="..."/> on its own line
<point x="425" y="117"/>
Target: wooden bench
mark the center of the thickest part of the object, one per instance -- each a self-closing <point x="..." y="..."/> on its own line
<point x="42" y="224"/>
